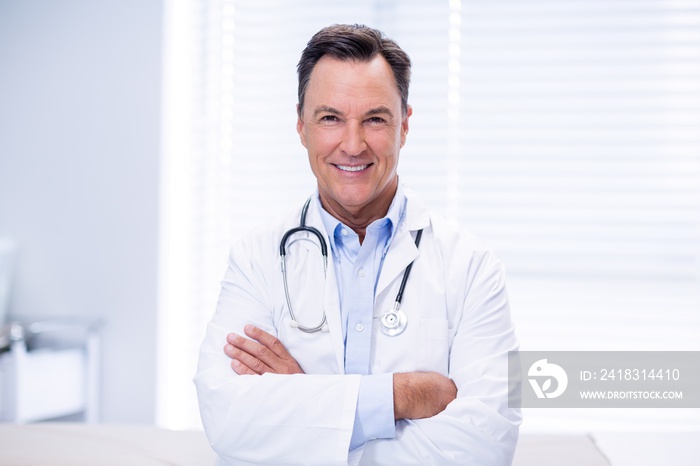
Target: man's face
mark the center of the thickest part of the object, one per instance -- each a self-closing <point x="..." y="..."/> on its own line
<point x="353" y="128"/>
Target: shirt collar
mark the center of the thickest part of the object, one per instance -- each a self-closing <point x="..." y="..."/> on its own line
<point x="394" y="216"/>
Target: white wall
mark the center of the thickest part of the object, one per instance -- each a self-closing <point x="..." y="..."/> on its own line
<point x="79" y="151"/>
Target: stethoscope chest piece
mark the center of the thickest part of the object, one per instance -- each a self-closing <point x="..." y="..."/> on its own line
<point x="393" y="322"/>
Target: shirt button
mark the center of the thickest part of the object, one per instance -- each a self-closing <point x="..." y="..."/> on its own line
<point x="344" y="232"/>
<point x="359" y="327"/>
<point x="362" y="273"/>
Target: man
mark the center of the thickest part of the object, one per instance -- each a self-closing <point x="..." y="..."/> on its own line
<point x="321" y="366"/>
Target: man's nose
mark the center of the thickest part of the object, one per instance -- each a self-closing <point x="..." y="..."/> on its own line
<point x="354" y="138"/>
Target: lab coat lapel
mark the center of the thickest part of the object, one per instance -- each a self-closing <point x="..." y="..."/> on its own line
<point x="331" y="305"/>
<point x="402" y="250"/>
<point x="331" y="300"/>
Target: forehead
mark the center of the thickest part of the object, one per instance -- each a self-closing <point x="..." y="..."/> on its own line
<point x="336" y="82"/>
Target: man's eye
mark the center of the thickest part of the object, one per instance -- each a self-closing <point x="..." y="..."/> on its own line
<point x="329" y="119"/>
<point x="376" y="120"/>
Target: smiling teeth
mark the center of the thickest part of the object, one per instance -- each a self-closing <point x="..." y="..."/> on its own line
<point x="352" y="169"/>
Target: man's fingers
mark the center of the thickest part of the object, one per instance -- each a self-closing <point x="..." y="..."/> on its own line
<point x="269" y="341"/>
<point x="251" y="364"/>
<point x="253" y="348"/>
<point x="241" y="369"/>
<point x="261" y="352"/>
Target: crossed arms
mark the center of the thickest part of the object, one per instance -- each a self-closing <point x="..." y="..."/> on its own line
<point x="417" y="395"/>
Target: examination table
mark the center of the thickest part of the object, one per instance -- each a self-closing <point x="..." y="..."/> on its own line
<point x="53" y="444"/>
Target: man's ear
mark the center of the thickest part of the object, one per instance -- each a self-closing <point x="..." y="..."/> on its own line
<point x="404" y="125"/>
<point x="300" y="126"/>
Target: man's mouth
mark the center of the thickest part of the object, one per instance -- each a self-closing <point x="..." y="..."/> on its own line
<point x="347" y="168"/>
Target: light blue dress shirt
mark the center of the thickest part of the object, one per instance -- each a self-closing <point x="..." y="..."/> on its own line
<point x="357" y="269"/>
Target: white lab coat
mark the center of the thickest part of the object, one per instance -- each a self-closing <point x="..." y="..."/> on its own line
<point x="458" y="325"/>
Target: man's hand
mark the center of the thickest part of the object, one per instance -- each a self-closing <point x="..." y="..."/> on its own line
<point x="260" y="354"/>
<point x="418" y="395"/>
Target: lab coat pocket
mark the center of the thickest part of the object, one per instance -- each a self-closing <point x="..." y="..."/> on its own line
<point x="433" y="345"/>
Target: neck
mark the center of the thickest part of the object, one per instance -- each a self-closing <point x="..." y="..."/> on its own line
<point x="359" y="218"/>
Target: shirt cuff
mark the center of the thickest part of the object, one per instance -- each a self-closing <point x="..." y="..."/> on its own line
<point x="374" y="416"/>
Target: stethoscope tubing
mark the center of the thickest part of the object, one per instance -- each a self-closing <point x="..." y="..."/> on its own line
<point x="396" y="329"/>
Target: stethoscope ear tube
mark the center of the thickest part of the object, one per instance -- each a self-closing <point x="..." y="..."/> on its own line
<point x="323" y="326"/>
<point x="302" y="227"/>
<point x="399" y="296"/>
<point x="312" y="230"/>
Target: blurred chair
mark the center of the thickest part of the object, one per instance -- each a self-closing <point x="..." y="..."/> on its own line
<point x="49" y="369"/>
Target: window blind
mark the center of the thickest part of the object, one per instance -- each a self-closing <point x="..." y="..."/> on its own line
<point x="564" y="133"/>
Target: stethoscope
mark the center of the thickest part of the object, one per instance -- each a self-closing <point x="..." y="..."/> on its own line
<point x="392" y="322"/>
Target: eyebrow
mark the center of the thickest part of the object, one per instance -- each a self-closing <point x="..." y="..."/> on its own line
<point x="371" y="112"/>
<point x="379" y="110"/>
<point x="326" y="109"/>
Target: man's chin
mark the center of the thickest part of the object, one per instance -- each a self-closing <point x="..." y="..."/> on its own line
<point x="350" y="201"/>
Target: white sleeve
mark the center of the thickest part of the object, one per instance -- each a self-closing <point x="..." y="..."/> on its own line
<point x="478" y="428"/>
<point x="269" y="419"/>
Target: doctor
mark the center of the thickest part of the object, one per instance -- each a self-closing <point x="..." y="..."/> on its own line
<point x="353" y="378"/>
